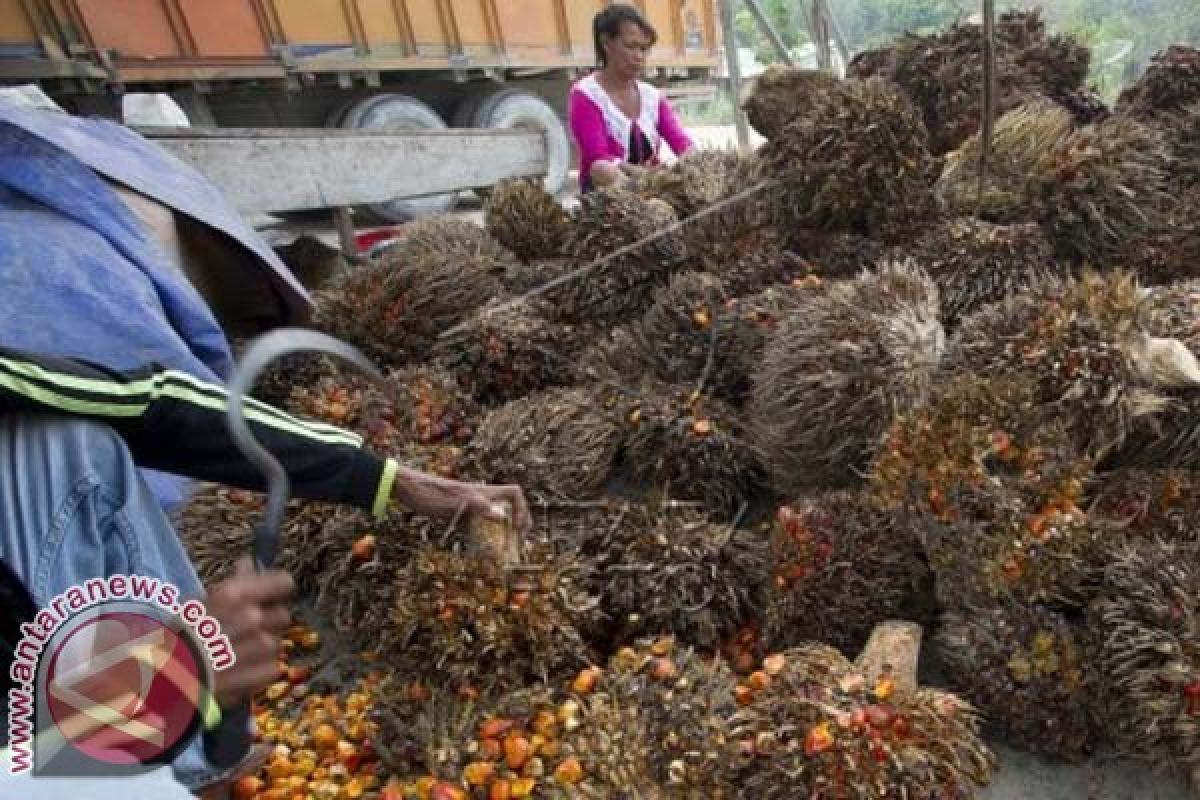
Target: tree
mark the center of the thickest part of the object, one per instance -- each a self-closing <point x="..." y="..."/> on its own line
<point x="788" y="18"/>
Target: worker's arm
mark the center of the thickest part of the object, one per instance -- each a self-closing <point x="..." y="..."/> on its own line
<point x="671" y="129"/>
<point x="598" y="161"/>
<point x="175" y="422"/>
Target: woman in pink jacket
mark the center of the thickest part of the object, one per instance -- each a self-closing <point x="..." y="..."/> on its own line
<point x="619" y="122"/>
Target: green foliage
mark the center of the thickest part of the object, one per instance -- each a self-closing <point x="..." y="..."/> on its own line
<point x="875" y="23"/>
<point x="788" y="18"/>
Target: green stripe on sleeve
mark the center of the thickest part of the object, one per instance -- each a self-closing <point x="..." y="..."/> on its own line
<point x="384" y="493"/>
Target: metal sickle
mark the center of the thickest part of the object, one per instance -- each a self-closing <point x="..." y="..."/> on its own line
<point x="262" y="351"/>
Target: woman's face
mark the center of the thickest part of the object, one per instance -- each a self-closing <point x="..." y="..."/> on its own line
<point x="627" y="51"/>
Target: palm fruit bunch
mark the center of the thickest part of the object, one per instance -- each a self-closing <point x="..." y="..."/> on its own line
<point x="523" y="217"/>
<point x="943" y="74"/>
<point x="543" y="743"/>
<point x="838" y="369"/>
<point x="813" y="724"/>
<point x="840" y="565"/>
<point x="349" y="569"/>
<point x="283" y="375"/>
<point x="319" y="743"/>
<point x="876" y="63"/>
<point x="688" y="702"/>
<point x="1171" y="82"/>
<point x="1101" y="187"/>
<point x="667" y="568"/>
<point x="692" y="334"/>
<point x="559" y="443"/>
<point x="1183" y="130"/>
<point x="1147" y="623"/>
<point x="975" y="263"/>
<point x="693" y="446"/>
<point x="1020" y="140"/>
<point x="313" y="262"/>
<point x="1162" y="502"/>
<point x="1030" y="670"/>
<point x="735" y="235"/>
<point x="834" y="254"/>
<point x="1057" y="64"/>
<point x="508" y="350"/>
<point x="522" y="278"/>
<point x="479" y="627"/>
<point x="1169" y="438"/>
<point x="1080" y="340"/>
<point x="216" y="527"/>
<point x="691" y="184"/>
<point x="864" y="133"/>
<point x="1050" y="553"/>
<point x="395" y="308"/>
<point x="415" y="405"/>
<point x="781" y="94"/>
<point x="629" y="247"/>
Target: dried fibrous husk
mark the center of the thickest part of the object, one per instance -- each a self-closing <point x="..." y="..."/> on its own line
<point x="975" y="263"/>
<point x="688" y="702"/>
<point x="415" y="406"/>
<point x="1145" y="502"/>
<point x="618" y="285"/>
<point x="693" y="446"/>
<point x="465" y="619"/>
<point x="668" y="568"/>
<point x="782" y="94"/>
<point x="837" y="371"/>
<point x="835" y="255"/>
<point x="394" y="309"/>
<point x="523" y="217"/>
<point x="508" y="351"/>
<point x="840" y="565"/>
<point x="820" y="727"/>
<point x="1147" y="623"/>
<point x="1019" y="143"/>
<point x="1030" y="670"/>
<point x="559" y="443"/>
<point x="692" y="183"/>
<point x="858" y="160"/>
<point x="1172" y="437"/>
<point x="1101" y="187"/>
<point x="692" y="334"/>
<point x="1171" y="82"/>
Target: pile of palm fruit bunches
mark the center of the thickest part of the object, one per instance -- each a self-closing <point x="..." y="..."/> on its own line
<point x="863" y="385"/>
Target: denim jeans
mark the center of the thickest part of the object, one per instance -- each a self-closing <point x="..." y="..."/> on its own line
<point x="73" y="506"/>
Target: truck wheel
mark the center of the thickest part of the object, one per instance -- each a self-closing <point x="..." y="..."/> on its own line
<point x="516" y="108"/>
<point x="398" y="112"/>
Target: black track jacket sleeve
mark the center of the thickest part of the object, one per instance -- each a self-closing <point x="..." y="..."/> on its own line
<point x="177" y="423"/>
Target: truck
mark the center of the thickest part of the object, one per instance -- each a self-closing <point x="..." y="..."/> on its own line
<point x="278" y="71"/>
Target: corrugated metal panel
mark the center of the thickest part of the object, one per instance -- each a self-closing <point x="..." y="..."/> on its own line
<point x="15" y="26"/>
<point x="141" y="30"/>
<point x="224" y="28"/>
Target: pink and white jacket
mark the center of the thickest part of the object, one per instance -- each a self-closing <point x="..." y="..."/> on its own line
<point x="603" y="132"/>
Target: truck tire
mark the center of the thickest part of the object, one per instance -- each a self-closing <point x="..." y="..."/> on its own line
<point x="398" y="112"/>
<point x="517" y="108"/>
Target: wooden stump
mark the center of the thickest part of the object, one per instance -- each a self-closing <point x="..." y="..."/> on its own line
<point x="892" y="649"/>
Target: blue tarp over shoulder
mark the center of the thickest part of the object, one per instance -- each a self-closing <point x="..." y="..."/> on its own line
<point x="79" y="275"/>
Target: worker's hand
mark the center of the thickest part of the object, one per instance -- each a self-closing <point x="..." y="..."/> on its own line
<point x="441" y="498"/>
<point x="254" y="610"/>
<point x="632" y="170"/>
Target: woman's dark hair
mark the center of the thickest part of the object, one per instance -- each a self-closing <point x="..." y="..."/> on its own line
<point x="607" y="25"/>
